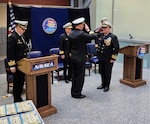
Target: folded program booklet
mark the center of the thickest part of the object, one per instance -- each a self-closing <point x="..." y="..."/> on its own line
<point x="30" y="118"/>
<point x="2" y="111"/>
<point x="24" y="106"/>
<point x="11" y="109"/>
<point x="4" y="120"/>
<point x="14" y="119"/>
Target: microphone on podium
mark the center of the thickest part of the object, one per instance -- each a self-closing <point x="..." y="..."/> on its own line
<point x="131" y="37"/>
<point x="30" y="45"/>
<point x="29" y="48"/>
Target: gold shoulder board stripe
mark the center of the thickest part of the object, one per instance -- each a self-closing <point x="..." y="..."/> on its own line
<point x="61" y="52"/>
<point x="12" y="63"/>
<point x="96" y="45"/>
<point x="91" y="32"/>
<point x="114" y="56"/>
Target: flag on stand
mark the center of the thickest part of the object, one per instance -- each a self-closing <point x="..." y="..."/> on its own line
<point x="11" y="25"/>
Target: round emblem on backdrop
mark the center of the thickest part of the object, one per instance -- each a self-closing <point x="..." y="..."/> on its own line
<point x="49" y="25"/>
<point x="141" y="52"/>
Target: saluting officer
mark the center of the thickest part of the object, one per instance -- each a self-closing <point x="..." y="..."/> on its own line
<point x="16" y="50"/>
<point x="78" y="39"/>
<point x="99" y="32"/>
<point x="65" y="50"/>
<point x="107" y="52"/>
<point x="99" y="29"/>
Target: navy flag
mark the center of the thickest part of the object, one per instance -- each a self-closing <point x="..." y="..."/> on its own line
<point x="11" y="27"/>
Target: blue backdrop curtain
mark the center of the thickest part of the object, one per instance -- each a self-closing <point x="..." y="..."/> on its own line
<point x="41" y="40"/>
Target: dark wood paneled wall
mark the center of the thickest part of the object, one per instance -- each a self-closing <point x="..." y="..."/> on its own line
<point x="40" y="2"/>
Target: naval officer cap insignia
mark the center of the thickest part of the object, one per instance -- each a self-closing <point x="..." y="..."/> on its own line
<point x="22" y="24"/>
<point x="78" y="21"/>
<point x="68" y="25"/>
<point x="106" y="24"/>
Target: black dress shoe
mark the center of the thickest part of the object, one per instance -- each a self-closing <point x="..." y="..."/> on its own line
<point x="82" y="96"/>
<point x="18" y="100"/>
<point x="66" y="81"/>
<point x="100" y="87"/>
<point x="79" y="97"/>
<point x="70" y="79"/>
<point x="106" y="89"/>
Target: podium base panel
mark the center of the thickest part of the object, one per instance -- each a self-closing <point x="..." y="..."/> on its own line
<point x="47" y="112"/>
<point x="133" y="84"/>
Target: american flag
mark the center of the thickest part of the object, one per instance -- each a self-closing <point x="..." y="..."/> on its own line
<point x="11" y="27"/>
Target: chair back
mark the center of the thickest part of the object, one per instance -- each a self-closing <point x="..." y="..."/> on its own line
<point x="91" y="49"/>
<point x="92" y="54"/>
<point x="8" y="72"/>
<point x="34" y="54"/>
<point x="55" y="51"/>
<point x="60" y="60"/>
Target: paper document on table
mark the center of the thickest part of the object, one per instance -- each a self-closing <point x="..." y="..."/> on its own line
<point x="2" y="111"/>
<point x="30" y="118"/>
<point x="11" y="109"/>
<point x="15" y="119"/>
<point x="4" y="120"/>
<point x="24" y="106"/>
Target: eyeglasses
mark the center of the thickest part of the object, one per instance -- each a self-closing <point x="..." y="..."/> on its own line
<point x="104" y="27"/>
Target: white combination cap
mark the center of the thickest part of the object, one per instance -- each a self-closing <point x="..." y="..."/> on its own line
<point x="104" y="19"/>
<point x="68" y="25"/>
<point x="78" y="21"/>
<point x="22" y="24"/>
<point x="106" y="24"/>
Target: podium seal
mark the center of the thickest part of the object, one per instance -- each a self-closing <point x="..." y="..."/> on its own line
<point x="141" y="52"/>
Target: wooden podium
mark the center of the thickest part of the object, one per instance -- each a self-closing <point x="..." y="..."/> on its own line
<point x="133" y="65"/>
<point x="38" y="81"/>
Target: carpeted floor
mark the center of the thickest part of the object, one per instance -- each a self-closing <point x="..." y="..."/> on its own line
<point x="121" y="105"/>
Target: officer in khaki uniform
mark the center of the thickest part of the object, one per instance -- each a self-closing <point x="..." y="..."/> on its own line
<point x="107" y="52"/>
<point x="16" y="50"/>
<point x="65" y="50"/>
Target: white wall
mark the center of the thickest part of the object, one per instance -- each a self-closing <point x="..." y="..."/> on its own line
<point x="103" y="9"/>
<point x="132" y="16"/>
<point x="129" y="17"/>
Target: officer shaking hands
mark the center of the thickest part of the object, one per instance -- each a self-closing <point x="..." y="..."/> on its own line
<point x="107" y="52"/>
<point x="16" y="50"/>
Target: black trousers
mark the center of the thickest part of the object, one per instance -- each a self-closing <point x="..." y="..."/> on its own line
<point x="78" y="73"/>
<point x="106" y="71"/>
<point x="67" y="68"/>
<point x="18" y="83"/>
